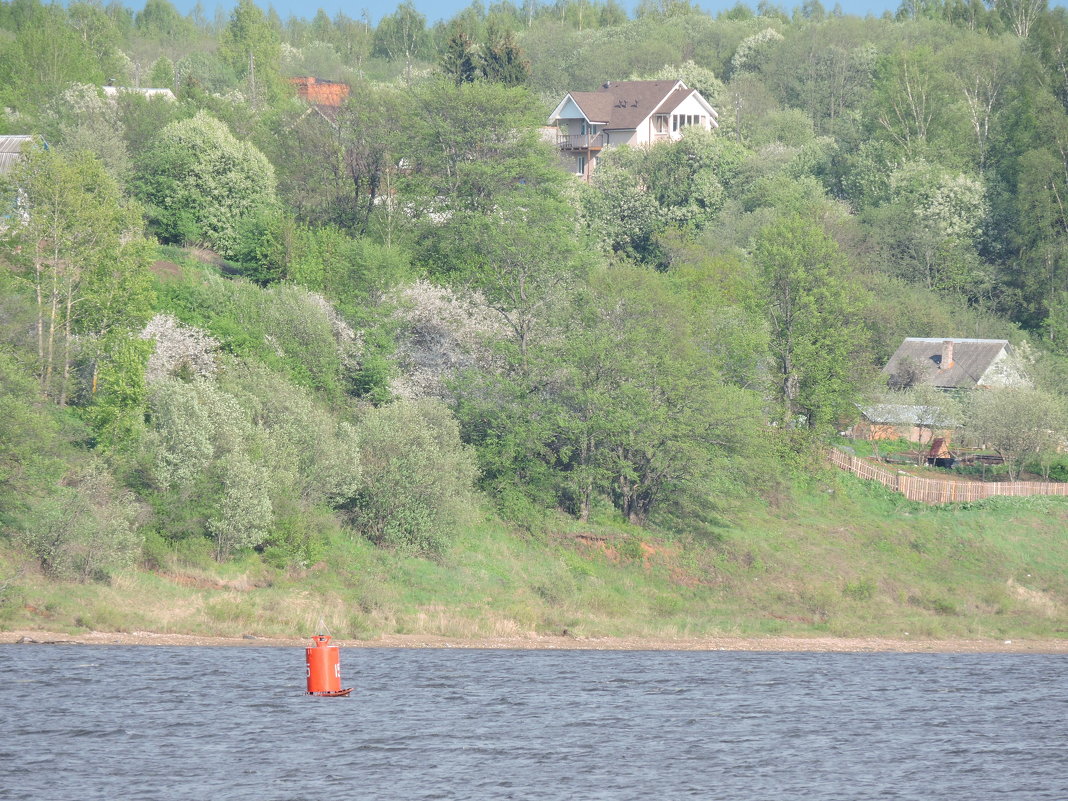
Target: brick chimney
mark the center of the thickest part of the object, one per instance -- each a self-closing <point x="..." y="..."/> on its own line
<point x="947" y="355"/>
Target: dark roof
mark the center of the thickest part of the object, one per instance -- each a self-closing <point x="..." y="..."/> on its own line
<point x="672" y="101"/>
<point x="597" y="106"/>
<point x="971" y="359"/>
<point x="624" y="104"/>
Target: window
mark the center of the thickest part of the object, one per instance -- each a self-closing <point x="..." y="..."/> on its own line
<point x="680" y="121"/>
<point x="581" y="166"/>
<point x="660" y="123"/>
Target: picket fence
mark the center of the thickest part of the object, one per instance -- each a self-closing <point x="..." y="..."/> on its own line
<point x="936" y="490"/>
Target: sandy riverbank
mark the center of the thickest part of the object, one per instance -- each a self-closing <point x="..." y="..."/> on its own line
<point x="796" y="644"/>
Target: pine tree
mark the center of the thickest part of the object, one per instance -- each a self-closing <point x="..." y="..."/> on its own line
<point x="460" y="59"/>
<point x="503" y="61"/>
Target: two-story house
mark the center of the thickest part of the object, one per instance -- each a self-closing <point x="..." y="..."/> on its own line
<point x="637" y="113"/>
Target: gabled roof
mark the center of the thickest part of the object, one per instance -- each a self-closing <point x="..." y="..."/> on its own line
<point x="597" y="106"/>
<point x="972" y="358"/>
<point x="624" y="105"/>
<point x="900" y="414"/>
<point x="11" y="151"/>
<point x="674" y="100"/>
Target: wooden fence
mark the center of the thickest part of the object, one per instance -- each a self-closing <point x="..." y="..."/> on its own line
<point x="936" y="490"/>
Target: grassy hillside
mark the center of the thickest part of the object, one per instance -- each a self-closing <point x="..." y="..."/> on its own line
<point x="840" y="557"/>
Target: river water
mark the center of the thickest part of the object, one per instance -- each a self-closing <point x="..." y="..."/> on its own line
<point x="126" y="723"/>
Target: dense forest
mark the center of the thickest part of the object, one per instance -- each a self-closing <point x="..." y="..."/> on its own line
<point x="234" y="324"/>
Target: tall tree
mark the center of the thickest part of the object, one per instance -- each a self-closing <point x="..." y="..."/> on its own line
<point x="46" y="55"/>
<point x="344" y="170"/>
<point x="459" y="61"/>
<point x="76" y="225"/>
<point x="402" y="36"/>
<point x="161" y="21"/>
<point x="200" y="182"/>
<point x="810" y="312"/>
<point x="469" y="144"/>
<point x="624" y="404"/>
<point x="503" y="61"/>
<point x="908" y="98"/>
<point x="253" y="49"/>
<point x="1020" y="15"/>
<point x="982" y="70"/>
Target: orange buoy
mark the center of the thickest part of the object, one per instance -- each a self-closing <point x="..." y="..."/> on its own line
<point x="324" y="668"/>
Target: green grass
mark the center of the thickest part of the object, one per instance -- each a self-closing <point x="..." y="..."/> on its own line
<point x="841" y="557"/>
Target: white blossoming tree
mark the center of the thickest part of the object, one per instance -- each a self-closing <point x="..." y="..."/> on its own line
<point x="200" y="182"/>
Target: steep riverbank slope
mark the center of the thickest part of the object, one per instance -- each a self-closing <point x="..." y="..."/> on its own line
<point x="840" y="559"/>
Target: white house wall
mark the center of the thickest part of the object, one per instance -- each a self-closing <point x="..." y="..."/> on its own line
<point x="623" y="136"/>
<point x="694" y="107"/>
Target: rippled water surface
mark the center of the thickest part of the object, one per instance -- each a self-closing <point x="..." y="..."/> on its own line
<point x="80" y="722"/>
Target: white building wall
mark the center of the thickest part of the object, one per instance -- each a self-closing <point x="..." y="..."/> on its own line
<point x="690" y="111"/>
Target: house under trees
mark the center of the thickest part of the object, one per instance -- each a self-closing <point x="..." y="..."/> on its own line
<point x="637" y="113"/>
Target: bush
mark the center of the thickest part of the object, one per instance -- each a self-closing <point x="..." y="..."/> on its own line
<point x="285" y="327"/>
<point x="417" y="477"/>
<point x="31" y="445"/>
<point x="230" y="454"/>
<point x="86" y="529"/>
<point x="200" y="182"/>
<point x="1057" y="468"/>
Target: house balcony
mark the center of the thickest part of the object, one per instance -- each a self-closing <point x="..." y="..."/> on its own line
<point x="580" y="141"/>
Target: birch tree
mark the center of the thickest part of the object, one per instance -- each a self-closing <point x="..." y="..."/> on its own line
<point x="75" y="223"/>
<point x="1020" y="15"/>
<point x="402" y="36"/>
<point x="982" y="72"/>
<point x="907" y="98"/>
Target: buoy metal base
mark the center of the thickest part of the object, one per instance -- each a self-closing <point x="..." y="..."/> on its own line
<point x="332" y="693"/>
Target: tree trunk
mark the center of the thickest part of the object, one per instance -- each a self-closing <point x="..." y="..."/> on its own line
<point x="39" y="289"/>
<point x="46" y="381"/>
<point x="66" y="345"/>
<point x="586" y="492"/>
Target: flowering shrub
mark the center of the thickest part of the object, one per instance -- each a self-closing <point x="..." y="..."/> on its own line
<point x="440" y="333"/>
<point x="753" y="51"/>
<point x="179" y="349"/>
<point x="242" y="445"/>
<point x="200" y="182"/>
